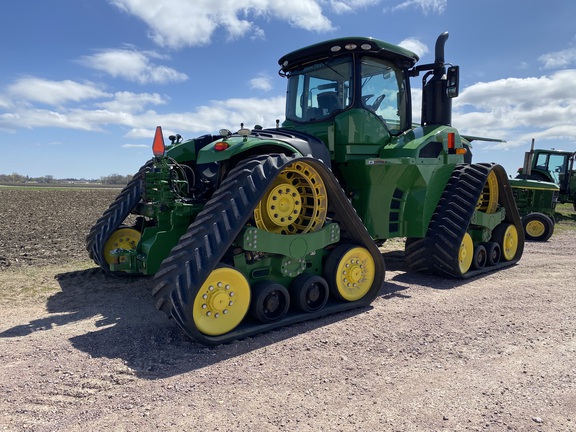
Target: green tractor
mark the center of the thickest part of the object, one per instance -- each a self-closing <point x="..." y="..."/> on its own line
<point x="553" y="166"/>
<point x="536" y="194"/>
<point x="536" y="202"/>
<point x="262" y="228"/>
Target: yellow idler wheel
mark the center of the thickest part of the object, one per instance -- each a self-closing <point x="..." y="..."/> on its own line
<point x="123" y="238"/>
<point x="506" y="235"/>
<point x="296" y="202"/>
<point x="488" y="202"/>
<point x="221" y="302"/>
<point x="349" y="271"/>
<point x="466" y="253"/>
<point x="535" y="228"/>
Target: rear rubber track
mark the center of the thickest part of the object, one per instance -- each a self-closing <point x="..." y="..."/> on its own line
<point x="208" y="238"/>
<point x="113" y="217"/>
<point x="438" y="251"/>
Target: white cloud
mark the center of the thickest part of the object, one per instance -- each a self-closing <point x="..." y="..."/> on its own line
<point x="350" y="6"/>
<point x="559" y="59"/>
<point x="516" y="109"/>
<point x="198" y="20"/>
<point x="135" y="146"/>
<point x="131" y="102"/>
<point x="261" y="82"/>
<point x="132" y="65"/>
<point x="415" y="46"/>
<point x="427" y="6"/>
<point x="53" y="92"/>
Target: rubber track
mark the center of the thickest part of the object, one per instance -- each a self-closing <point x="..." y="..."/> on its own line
<point x="438" y="251"/>
<point x="113" y="217"/>
<point x="202" y="247"/>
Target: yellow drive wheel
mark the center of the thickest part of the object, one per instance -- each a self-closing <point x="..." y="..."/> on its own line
<point x="535" y="228"/>
<point x="466" y="253"/>
<point x="488" y="202"/>
<point x="296" y="202"/>
<point x="221" y="302"/>
<point x="506" y="236"/>
<point x="349" y="271"/>
<point x="123" y="238"/>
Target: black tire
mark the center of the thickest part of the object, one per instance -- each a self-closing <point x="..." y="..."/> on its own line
<point x="309" y="292"/>
<point x="537" y="226"/>
<point x="493" y="253"/>
<point x="480" y="257"/>
<point x="270" y="301"/>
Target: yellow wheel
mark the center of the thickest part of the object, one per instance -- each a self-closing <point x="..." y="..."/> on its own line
<point x="535" y="228"/>
<point x="506" y="236"/>
<point x="466" y="253"/>
<point x="538" y="226"/>
<point x="123" y="238"/>
<point x="488" y="202"/>
<point x="349" y="271"/>
<point x="296" y="202"/>
<point x="221" y="302"/>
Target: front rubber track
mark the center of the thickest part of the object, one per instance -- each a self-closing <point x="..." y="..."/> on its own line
<point x="201" y="248"/>
<point x="113" y="217"/>
<point x="438" y="251"/>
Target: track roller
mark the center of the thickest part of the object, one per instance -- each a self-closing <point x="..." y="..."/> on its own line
<point x="309" y="292"/>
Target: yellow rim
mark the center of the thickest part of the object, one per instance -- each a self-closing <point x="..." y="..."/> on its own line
<point x="535" y="228"/>
<point x="221" y="302"/>
<point x="355" y="274"/>
<point x="466" y="253"/>
<point x="488" y="202"/>
<point x="510" y="243"/>
<point x="123" y="238"/>
<point x="296" y="202"/>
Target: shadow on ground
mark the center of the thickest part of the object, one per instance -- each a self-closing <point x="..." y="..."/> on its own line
<point x="129" y="327"/>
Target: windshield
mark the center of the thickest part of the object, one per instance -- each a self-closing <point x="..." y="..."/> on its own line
<point x="316" y="91"/>
<point x="383" y="92"/>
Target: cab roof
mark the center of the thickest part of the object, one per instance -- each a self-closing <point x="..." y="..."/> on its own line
<point x="403" y="58"/>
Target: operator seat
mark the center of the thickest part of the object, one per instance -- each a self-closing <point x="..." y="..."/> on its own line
<point x="328" y="102"/>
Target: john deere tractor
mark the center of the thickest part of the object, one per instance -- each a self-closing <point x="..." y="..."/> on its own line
<point x="539" y="185"/>
<point x="553" y="166"/>
<point x="261" y="228"/>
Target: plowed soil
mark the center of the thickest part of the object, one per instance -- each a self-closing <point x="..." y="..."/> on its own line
<point x="81" y="351"/>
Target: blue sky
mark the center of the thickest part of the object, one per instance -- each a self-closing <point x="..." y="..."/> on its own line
<point x="84" y="83"/>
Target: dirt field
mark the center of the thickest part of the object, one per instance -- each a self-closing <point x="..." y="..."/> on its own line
<point x="82" y="351"/>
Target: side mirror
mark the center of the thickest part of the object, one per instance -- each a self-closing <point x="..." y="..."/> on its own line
<point x="453" y="81"/>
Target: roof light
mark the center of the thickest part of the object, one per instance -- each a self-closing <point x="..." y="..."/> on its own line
<point x="221" y="146"/>
<point x="366" y="47"/>
<point x="351" y="46"/>
<point x="335" y="48"/>
<point x="158" y="147"/>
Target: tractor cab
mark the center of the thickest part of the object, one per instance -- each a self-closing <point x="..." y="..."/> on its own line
<point x="339" y="81"/>
<point x="555" y="166"/>
<point x="354" y="93"/>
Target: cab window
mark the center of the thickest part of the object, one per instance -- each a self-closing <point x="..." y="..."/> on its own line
<point x="319" y="90"/>
<point x="383" y="92"/>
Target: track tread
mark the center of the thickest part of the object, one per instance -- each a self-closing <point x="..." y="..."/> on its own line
<point x="438" y="251"/>
<point x="113" y="217"/>
<point x="208" y="238"/>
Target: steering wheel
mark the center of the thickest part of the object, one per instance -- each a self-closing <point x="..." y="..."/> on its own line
<point x="377" y="102"/>
<point x="365" y="98"/>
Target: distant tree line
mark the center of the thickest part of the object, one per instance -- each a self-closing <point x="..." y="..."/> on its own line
<point x="112" y="179"/>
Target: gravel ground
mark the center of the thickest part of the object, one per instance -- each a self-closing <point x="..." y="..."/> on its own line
<point x="83" y="351"/>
